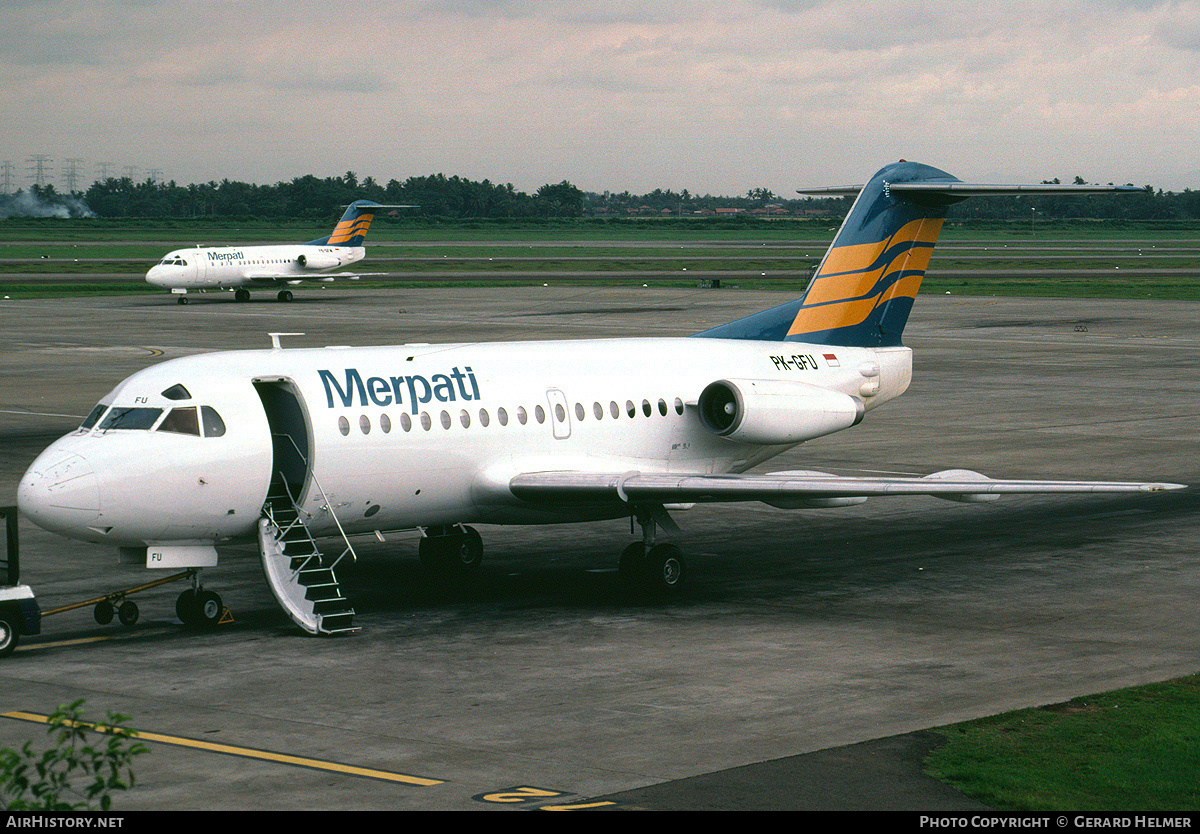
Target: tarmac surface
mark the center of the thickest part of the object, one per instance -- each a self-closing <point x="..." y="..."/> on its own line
<point x="803" y="669"/>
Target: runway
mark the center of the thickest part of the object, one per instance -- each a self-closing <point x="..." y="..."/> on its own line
<point x="541" y="685"/>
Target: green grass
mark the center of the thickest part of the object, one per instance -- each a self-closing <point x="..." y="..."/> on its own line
<point x="1131" y="750"/>
<point x="964" y="263"/>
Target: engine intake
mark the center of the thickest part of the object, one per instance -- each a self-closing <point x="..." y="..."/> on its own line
<point x="775" y="412"/>
<point x="317" y="260"/>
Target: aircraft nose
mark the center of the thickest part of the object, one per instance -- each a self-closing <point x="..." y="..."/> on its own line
<point x="60" y="492"/>
<point x="156" y="275"/>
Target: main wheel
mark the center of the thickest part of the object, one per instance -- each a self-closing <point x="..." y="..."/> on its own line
<point x="103" y="612"/>
<point x="452" y="554"/>
<point x="9" y="637"/>
<point x="285" y="295"/>
<point x="664" y="569"/>
<point x="469" y="550"/>
<point x="241" y="295"/>
<point x="632" y="564"/>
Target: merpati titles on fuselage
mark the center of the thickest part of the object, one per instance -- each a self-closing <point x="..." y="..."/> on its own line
<point x="353" y="388"/>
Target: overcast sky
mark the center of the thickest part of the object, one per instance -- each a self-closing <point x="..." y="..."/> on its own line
<point x="713" y="97"/>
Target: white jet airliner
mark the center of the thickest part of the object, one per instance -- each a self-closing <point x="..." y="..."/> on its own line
<point x="239" y="267"/>
<point x="296" y="446"/>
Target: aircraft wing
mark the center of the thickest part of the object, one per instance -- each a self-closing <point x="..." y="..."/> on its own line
<point x="277" y="277"/>
<point x="791" y="489"/>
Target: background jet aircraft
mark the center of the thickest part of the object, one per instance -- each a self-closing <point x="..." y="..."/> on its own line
<point x="291" y="447"/>
<point x="239" y="267"/>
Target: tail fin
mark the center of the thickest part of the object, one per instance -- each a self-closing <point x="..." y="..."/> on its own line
<point x="865" y="286"/>
<point x="351" y="230"/>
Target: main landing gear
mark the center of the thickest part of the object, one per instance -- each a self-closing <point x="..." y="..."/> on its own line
<point x="656" y="569"/>
<point x="451" y="551"/>
<point x="244" y="295"/>
<point x="455" y="551"/>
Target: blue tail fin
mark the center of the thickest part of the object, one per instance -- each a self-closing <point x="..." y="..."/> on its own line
<point x="351" y="230"/>
<point x="864" y="288"/>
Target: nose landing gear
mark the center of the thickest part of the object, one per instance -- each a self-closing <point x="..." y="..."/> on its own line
<point x="198" y="608"/>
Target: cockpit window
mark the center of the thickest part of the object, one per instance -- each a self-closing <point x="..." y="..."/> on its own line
<point x="177" y="392"/>
<point x="130" y="418"/>
<point x="91" y="419"/>
<point x="181" y="421"/>
<point x="214" y="426"/>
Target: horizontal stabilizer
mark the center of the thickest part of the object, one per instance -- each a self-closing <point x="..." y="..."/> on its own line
<point x="963" y="190"/>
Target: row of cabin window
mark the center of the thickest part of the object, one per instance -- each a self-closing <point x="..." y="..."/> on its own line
<point x="485" y="419"/>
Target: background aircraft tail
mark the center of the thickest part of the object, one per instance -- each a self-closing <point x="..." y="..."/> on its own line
<point x="351" y="230"/>
<point x="865" y="286"/>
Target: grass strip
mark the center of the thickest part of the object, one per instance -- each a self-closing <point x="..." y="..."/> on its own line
<point x="1129" y="750"/>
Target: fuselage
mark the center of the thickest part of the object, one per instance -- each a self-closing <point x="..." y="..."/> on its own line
<point x="398" y="437"/>
<point x="243" y="266"/>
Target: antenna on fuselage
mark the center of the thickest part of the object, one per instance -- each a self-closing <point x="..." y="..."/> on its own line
<point x="275" y="339"/>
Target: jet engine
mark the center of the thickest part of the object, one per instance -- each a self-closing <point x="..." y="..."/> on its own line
<point x="775" y="412"/>
<point x="317" y="260"/>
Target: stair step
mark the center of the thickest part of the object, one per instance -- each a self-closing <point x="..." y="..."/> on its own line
<point x="337" y="622"/>
<point x="307" y="587"/>
<point x="334" y="605"/>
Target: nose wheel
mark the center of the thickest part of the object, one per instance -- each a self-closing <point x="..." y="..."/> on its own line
<point x="198" y="608"/>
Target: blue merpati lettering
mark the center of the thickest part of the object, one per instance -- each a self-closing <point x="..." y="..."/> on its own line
<point x="380" y="391"/>
<point x="389" y="390"/>
<point x="353" y="382"/>
<point x="225" y="256"/>
<point x="413" y="398"/>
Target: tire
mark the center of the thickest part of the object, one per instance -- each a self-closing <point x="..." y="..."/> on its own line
<point x="185" y="607"/>
<point x="103" y="612"/>
<point x="285" y="295"/>
<point x="632" y="565"/>
<point x="664" y="570"/>
<point x="469" y="551"/>
<point x="9" y="637"/>
<point x="127" y="613"/>
<point x="208" y="609"/>
<point x="453" y="554"/>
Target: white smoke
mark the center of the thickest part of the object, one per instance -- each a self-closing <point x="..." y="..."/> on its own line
<point x="25" y="204"/>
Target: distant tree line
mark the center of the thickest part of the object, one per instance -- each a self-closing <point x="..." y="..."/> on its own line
<point x="438" y="196"/>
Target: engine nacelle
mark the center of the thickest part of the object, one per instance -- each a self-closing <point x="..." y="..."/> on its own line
<point x="317" y="260"/>
<point x="775" y="412"/>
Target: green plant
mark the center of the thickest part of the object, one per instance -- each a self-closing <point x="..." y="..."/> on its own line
<point x="44" y="782"/>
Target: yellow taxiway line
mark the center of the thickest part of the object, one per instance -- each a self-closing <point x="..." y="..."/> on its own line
<point x="251" y="753"/>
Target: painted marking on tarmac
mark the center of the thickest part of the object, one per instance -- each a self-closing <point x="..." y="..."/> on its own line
<point x="530" y="795"/>
<point x="251" y="753"/>
<point x="80" y="641"/>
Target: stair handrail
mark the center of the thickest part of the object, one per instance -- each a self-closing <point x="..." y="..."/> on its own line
<point x="312" y="473"/>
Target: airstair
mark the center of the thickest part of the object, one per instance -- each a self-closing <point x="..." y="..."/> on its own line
<point x="300" y="575"/>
